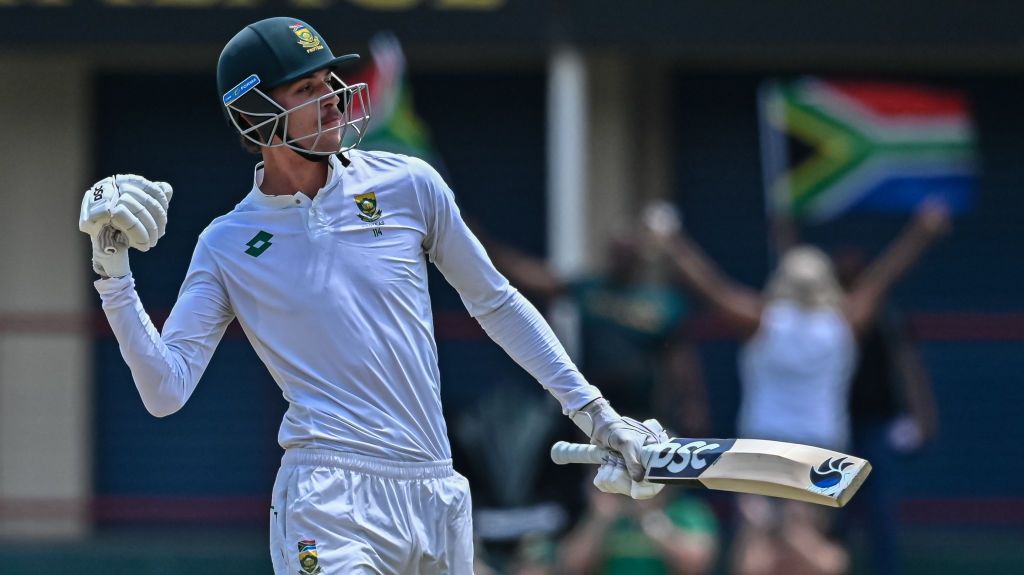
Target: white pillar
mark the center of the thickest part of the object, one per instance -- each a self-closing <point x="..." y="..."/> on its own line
<point x="567" y="161"/>
<point x="567" y="182"/>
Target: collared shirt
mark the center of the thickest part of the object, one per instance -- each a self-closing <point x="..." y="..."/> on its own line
<point x="332" y="294"/>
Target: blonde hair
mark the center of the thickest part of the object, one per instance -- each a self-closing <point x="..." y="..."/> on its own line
<point x="805" y="275"/>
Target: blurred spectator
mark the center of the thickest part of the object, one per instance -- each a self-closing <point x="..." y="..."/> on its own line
<point x="892" y="412"/>
<point x="800" y="344"/>
<point x="632" y="343"/>
<point x="536" y="555"/>
<point x="891" y="390"/>
<point x="670" y="533"/>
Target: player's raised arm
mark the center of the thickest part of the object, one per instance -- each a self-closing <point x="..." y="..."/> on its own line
<point x="129" y="211"/>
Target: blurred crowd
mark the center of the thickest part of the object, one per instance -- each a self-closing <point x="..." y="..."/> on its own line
<point x="824" y="359"/>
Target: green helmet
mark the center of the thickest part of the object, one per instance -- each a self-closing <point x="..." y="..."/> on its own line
<point x="275" y="52"/>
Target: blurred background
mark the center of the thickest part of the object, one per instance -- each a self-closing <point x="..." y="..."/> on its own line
<point x="554" y="122"/>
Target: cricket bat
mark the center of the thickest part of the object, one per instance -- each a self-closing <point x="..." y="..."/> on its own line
<point x="758" y="466"/>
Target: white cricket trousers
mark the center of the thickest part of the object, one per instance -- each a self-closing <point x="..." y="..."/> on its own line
<point x="335" y="513"/>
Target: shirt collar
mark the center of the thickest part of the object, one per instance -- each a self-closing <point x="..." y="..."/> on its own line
<point x="257" y="198"/>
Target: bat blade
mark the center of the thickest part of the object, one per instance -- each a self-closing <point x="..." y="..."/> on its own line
<point x="772" y="468"/>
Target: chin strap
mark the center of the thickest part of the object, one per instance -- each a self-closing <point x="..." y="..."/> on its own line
<point x="321" y="158"/>
<point x="316" y="158"/>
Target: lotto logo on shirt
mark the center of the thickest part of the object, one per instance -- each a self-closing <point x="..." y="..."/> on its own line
<point x="259" y="244"/>
<point x="307" y="558"/>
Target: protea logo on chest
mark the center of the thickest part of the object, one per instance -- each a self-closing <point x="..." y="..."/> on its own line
<point x="368" y="210"/>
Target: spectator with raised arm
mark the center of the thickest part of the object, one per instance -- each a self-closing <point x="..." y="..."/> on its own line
<point x="800" y="340"/>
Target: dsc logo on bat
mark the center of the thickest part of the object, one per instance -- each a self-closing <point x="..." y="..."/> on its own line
<point x="685" y="458"/>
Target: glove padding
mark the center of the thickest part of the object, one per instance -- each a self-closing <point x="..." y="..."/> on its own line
<point x="623" y="470"/>
<point x="110" y="253"/>
<point x="134" y="208"/>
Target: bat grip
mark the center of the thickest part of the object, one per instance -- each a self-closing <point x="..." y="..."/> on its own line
<point x="564" y="453"/>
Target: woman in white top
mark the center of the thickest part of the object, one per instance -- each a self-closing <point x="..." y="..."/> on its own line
<point x="800" y="345"/>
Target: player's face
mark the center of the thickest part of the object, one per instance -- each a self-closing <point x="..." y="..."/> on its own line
<point x="321" y="117"/>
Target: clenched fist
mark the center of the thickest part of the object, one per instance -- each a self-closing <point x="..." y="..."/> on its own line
<point x="123" y="211"/>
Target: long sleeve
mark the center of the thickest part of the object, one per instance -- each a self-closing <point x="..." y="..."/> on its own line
<point x="507" y="317"/>
<point x="521" y="331"/>
<point x="166" y="368"/>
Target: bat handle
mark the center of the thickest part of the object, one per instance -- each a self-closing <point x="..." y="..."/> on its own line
<point x="564" y="453"/>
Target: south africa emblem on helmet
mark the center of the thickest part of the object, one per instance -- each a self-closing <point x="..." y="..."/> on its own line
<point x="306" y="38"/>
<point x="368" y="210"/>
<point x="308" y="561"/>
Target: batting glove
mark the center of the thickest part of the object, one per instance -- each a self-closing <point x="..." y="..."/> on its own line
<point x="623" y="469"/>
<point x="123" y="211"/>
<point x="110" y="253"/>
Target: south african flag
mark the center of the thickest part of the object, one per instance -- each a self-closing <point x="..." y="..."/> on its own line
<point x="831" y="147"/>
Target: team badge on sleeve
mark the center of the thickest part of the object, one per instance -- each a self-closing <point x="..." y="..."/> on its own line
<point x="368" y="210"/>
<point x="308" y="561"/>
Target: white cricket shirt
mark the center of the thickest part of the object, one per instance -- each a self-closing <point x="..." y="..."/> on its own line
<point x="332" y="294"/>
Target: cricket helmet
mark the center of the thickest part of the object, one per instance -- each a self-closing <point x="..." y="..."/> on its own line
<point x="275" y="52"/>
